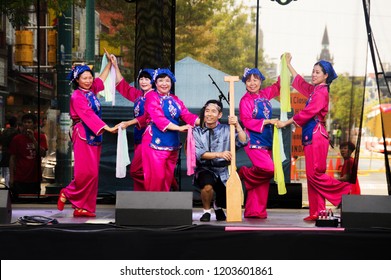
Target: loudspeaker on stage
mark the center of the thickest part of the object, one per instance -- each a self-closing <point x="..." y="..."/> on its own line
<point x="5" y="207"/>
<point x="292" y="198"/>
<point x="135" y="208"/>
<point x="366" y="211"/>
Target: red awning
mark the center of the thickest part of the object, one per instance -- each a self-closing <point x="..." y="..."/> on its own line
<point x="35" y="80"/>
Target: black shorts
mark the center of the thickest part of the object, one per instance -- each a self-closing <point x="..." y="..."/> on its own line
<point x="207" y="177"/>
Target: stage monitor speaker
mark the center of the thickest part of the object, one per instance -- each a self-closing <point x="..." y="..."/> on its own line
<point x="292" y="198"/>
<point x="366" y="211"/>
<point x="5" y="207"/>
<point x="134" y="208"/>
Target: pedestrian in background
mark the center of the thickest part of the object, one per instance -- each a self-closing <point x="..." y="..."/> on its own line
<point x="6" y="136"/>
<point x="26" y="152"/>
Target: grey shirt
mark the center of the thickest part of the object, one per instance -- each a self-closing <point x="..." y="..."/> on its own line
<point x="214" y="140"/>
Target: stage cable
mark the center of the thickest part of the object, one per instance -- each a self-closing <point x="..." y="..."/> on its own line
<point x="36" y="221"/>
<point x="372" y="46"/>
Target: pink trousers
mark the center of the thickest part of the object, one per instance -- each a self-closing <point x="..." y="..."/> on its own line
<point x="136" y="169"/>
<point x="158" y="166"/>
<point x="320" y="185"/>
<point x="257" y="181"/>
<point x="82" y="191"/>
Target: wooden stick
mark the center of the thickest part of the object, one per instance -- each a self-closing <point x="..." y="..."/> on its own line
<point x="234" y="184"/>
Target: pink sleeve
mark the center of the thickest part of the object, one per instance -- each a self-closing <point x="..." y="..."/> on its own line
<point x="246" y="108"/>
<point x="127" y="91"/>
<point x="187" y="116"/>
<point x="272" y="91"/>
<point x="85" y="113"/>
<point x="143" y="120"/>
<point x="302" y="86"/>
<point x="97" y="85"/>
<point x="317" y="107"/>
<point x="153" y="108"/>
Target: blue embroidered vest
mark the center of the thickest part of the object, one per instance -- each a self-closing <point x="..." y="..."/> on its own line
<point x="264" y="140"/>
<point x="169" y="139"/>
<point x="94" y="103"/>
<point x="138" y="111"/>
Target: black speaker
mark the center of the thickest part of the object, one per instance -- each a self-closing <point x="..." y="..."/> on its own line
<point x="135" y="208"/>
<point x="5" y="207"/>
<point x="366" y="211"/>
<point x="292" y="198"/>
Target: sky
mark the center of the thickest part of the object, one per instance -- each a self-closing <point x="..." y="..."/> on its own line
<point x="298" y="28"/>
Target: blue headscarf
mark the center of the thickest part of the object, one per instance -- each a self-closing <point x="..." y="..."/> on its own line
<point x="148" y="71"/>
<point x="250" y="71"/>
<point x="161" y="71"/>
<point x="329" y="70"/>
<point x="77" y="71"/>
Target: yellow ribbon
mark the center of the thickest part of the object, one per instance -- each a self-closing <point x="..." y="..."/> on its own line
<point x="278" y="171"/>
<point x="285" y="86"/>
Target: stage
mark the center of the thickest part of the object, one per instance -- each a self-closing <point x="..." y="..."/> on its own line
<point x="282" y="236"/>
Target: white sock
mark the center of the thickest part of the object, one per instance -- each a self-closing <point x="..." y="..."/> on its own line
<point x="208" y="211"/>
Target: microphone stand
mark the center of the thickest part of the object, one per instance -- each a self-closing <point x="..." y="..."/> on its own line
<point x="221" y="96"/>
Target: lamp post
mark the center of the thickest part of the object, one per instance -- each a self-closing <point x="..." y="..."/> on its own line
<point x="281" y="2"/>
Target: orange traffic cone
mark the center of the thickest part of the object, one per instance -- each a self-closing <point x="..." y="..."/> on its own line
<point x="294" y="175"/>
<point x="338" y="165"/>
<point x="330" y="169"/>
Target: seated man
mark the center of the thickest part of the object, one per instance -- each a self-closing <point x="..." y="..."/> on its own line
<point x="212" y="147"/>
<point x="346" y="150"/>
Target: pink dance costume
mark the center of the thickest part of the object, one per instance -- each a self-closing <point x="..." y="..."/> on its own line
<point x="82" y="191"/>
<point x="138" y="98"/>
<point x="160" y="145"/>
<point x="253" y="110"/>
<point x="316" y="142"/>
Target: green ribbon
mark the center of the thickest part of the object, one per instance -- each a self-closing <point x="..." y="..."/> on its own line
<point x="278" y="171"/>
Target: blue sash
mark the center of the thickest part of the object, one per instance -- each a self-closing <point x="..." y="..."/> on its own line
<point x="308" y="131"/>
<point x="94" y="103"/>
<point x="138" y="111"/>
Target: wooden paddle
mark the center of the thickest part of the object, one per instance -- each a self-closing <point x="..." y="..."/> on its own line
<point x="234" y="185"/>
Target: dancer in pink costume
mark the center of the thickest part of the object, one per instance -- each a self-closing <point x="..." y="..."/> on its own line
<point x="161" y="143"/>
<point x="140" y="120"/>
<point x="87" y="130"/>
<point x="315" y="138"/>
<point x="255" y="113"/>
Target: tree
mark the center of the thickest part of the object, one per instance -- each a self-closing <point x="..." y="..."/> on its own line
<point x="194" y="28"/>
<point x="18" y="11"/>
<point x="123" y="21"/>
<point x="346" y="97"/>
<point x="217" y="33"/>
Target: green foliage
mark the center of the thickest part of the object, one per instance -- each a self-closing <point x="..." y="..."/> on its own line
<point x="124" y="35"/>
<point x="18" y="11"/>
<point x="346" y="98"/>
<point x="216" y="33"/>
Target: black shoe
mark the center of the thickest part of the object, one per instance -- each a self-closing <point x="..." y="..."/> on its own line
<point x="220" y="215"/>
<point x="205" y="217"/>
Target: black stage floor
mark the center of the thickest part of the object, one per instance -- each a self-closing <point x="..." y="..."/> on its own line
<point x="282" y="236"/>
